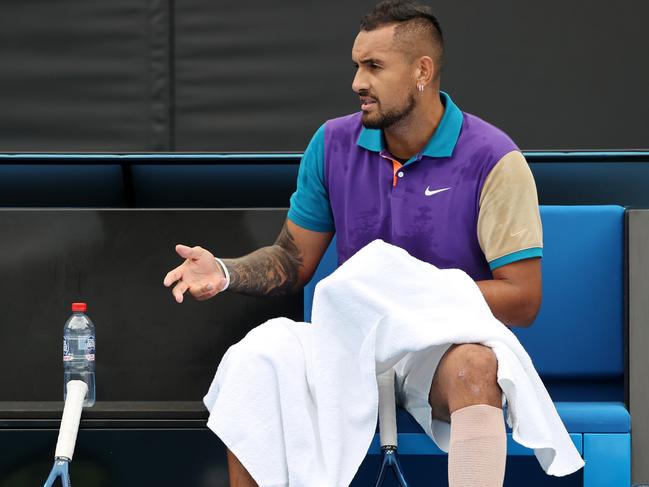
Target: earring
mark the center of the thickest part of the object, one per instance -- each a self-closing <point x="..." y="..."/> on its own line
<point x="420" y="88"/>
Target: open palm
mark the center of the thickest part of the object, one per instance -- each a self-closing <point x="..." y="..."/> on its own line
<point x="200" y="274"/>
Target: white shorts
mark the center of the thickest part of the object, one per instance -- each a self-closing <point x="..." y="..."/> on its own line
<point x="414" y="376"/>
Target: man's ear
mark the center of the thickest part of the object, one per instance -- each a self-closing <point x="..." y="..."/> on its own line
<point x="425" y="70"/>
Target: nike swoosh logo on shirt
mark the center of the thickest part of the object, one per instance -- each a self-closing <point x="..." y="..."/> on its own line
<point x="517" y="233"/>
<point x="430" y="192"/>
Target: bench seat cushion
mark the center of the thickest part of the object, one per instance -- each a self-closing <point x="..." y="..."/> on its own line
<point x="578" y="417"/>
<point x="594" y="417"/>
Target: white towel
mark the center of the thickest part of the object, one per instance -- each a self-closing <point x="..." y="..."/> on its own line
<point x="297" y="403"/>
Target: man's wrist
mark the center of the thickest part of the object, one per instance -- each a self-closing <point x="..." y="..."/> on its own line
<point x="226" y="274"/>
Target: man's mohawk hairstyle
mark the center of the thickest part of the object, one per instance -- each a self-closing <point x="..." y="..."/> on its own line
<point x="413" y="19"/>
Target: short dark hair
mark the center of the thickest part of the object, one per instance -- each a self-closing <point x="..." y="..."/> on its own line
<point x="413" y="18"/>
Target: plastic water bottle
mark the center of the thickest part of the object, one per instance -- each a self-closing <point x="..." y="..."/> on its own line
<point x="79" y="351"/>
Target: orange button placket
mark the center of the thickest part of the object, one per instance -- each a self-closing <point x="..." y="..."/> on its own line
<point x="396" y="165"/>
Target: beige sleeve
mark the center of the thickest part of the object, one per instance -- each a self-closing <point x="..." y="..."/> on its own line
<point x="509" y="219"/>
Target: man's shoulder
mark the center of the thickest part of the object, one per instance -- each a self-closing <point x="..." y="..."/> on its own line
<point x="349" y="123"/>
<point x="476" y="131"/>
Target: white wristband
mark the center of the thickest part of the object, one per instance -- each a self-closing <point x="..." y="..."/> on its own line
<point x="225" y="271"/>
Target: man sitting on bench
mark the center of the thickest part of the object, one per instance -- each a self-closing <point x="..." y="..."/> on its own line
<point x="413" y="170"/>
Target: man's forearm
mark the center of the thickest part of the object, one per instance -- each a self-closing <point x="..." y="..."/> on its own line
<point x="509" y="303"/>
<point x="272" y="270"/>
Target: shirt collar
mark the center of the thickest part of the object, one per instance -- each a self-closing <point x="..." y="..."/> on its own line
<point x="441" y="144"/>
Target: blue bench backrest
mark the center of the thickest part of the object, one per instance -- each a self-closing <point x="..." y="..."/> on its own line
<point x="578" y="336"/>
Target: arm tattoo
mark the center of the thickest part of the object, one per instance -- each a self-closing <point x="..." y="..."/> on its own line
<point x="270" y="270"/>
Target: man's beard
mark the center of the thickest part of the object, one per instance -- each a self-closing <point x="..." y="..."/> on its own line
<point x="384" y="120"/>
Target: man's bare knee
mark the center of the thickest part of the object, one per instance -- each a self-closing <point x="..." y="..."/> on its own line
<point x="474" y="362"/>
<point x="466" y="376"/>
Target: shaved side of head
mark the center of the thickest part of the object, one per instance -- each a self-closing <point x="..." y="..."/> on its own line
<point x="417" y="38"/>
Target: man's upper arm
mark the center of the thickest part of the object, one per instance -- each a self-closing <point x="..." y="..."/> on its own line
<point x="525" y="276"/>
<point x="310" y="207"/>
<point x="511" y="238"/>
<point x="310" y="222"/>
<point x="509" y="223"/>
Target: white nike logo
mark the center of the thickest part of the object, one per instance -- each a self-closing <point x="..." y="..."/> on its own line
<point x="517" y="233"/>
<point x="428" y="191"/>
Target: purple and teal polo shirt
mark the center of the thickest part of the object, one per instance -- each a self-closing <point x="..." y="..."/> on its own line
<point x="466" y="201"/>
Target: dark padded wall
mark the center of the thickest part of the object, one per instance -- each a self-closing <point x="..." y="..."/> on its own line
<point x="252" y="75"/>
<point x="259" y="75"/>
<point x="149" y="348"/>
<point x="83" y="75"/>
<point x="553" y="74"/>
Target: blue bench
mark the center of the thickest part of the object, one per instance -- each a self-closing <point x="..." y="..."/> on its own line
<point x="576" y="342"/>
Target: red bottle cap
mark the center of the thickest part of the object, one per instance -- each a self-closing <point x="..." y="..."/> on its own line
<point x="82" y="307"/>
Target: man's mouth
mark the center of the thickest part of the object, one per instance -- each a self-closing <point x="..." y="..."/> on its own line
<point x="367" y="102"/>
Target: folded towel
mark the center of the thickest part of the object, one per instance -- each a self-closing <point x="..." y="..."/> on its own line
<point x="298" y="403"/>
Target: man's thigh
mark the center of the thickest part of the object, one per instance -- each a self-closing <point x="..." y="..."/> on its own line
<point x="466" y="376"/>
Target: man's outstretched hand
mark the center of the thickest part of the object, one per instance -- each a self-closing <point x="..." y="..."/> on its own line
<point x="200" y="274"/>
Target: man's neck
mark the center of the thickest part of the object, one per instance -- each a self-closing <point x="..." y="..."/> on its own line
<point x="409" y="137"/>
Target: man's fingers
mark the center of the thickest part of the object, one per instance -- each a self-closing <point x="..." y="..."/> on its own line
<point x="172" y="276"/>
<point x="178" y="291"/>
<point x="188" y="252"/>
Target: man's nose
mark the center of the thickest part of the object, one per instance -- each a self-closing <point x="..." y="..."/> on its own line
<point x="360" y="82"/>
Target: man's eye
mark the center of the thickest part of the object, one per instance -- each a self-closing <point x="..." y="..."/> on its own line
<point x="375" y="66"/>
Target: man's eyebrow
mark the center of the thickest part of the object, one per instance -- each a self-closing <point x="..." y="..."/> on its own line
<point x="368" y="61"/>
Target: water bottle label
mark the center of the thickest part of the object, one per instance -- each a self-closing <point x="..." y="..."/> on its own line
<point x="66" y="350"/>
<point x="90" y="348"/>
<point x="85" y="345"/>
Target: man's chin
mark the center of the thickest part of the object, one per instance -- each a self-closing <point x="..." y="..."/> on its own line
<point x="370" y="121"/>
